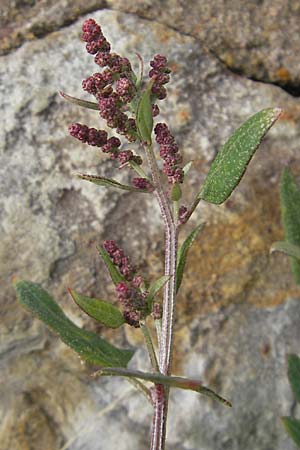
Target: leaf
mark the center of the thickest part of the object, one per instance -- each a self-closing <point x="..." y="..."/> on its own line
<point x="79" y="102"/>
<point x="176" y="193"/>
<point x="290" y="215"/>
<point x="104" y="312"/>
<point x="158" y="378"/>
<point x="182" y="254"/>
<point x="294" y="375"/>
<point x="286" y="248"/>
<point x="231" y="162"/>
<point x="156" y="287"/>
<point x="108" y="182"/>
<point x="116" y="276"/>
<point x="187" y="167"/>
<point x="88" y="345"/>
<point x="144" y="117"/>
<point x="292" y="427"/>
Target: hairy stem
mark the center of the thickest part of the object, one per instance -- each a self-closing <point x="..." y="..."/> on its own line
<point x="160" y="393"/>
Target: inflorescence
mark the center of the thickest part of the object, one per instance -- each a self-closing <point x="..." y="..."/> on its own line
<point x="130" y="293"/>
<point x="117" y="92"/>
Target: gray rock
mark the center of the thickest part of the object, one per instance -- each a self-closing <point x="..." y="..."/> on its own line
<point x="259" y="39"/>
<point x="50" y="222"/>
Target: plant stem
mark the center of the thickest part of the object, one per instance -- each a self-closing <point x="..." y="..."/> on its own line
<point x="160" y="393"/>
<point x="150" y="346"/>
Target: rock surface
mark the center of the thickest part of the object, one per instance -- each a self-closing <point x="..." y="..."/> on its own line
<point x="257" y="38"/>
<point x="233" y="326"/>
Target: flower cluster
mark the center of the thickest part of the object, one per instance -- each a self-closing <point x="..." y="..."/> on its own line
<point x="98" y="138"/>
<point x="131" y="297"/>
<point x="143" y="183"/>
<point x="118" y="73"/>
<point x="169" y="153"/>
<point x="160" y="76"/>
<point x="92" y="34"/>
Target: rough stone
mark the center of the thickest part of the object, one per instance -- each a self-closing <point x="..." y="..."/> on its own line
<point x="257" y="38"/>
<point x="233" y="294"/>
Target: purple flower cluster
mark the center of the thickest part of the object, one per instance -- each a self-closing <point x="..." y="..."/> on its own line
<point x="92" y="35"/>
<point x="88" y="135"/>
<point x="170" y="153"/>
<point x="98" y="138"/>
<point x="129" y="294"/>
<point x="160" y="76"/>
<point x="143" y="183"/>
<point x="118" y="73"/>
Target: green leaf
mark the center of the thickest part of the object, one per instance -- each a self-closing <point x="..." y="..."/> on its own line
<point x="176" y="193"/>
<point x="290" y="214"/>
<point x="144" y="117"/>
<point x="156" y="287"/>
<point x="183" y="252"/>
<point x="116" y="276"/>
<point x="108" y="182"/>
<point x="79" y="102"/>
<point x="231" y="162"/>
<point x="294" y="375"/>
<point x="286" y="248"/>
<point x="292" y="427"/>
<point x="187" y="167"/>
<point x="104" y="312"/>
<point x="88" y="345"/>
<point x="158" y="378"/>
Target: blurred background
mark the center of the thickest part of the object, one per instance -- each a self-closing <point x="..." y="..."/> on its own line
<point x="238" y="312"/>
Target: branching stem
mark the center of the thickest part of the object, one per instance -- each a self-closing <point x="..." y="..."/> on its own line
<point x="161" y="394"/>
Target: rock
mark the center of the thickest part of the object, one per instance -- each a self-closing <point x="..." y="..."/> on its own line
<point x="51" y="221"/>
<point x="259" y="39"/>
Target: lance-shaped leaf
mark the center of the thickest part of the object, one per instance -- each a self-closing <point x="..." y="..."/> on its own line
<point x="158" y="378"/>
<point x="115" y="275"/>
<point x="294" y="375"/>
<point x="144" y="117"/>
<point x="104" y="312"/>
<point x="176" y="193"/>
<point x="290" y="213"/>
<point x="231" y="162"/>
<point x="286" y="248"/>
<point x="108" y="182"/>
<point x="156" y="287"/>
<point x="88" y="345"/>
<point x="79" y="102"/>
<point x="183" y="252"/>
<point x="292" y="427"/>
<point x="187" y="167"/>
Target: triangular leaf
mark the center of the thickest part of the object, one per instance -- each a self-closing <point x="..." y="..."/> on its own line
<point x="104" y="312"/>
<point x="292" y="427"/>
<point x="286" y="248"/>
<point x="290" y="213"/>
<point x="144" y="117"/>
<point x="156" y="287"/>
<point x="116" y="276"/>
<point x="183" y="252"/>
<point x="231" y="161"/>
<point x="294" y="375"/>
<point x="158" y="378"/>
<point x="88" y="345"/>
<point x="79" y="102"/>
<point x="108" y="182"/>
